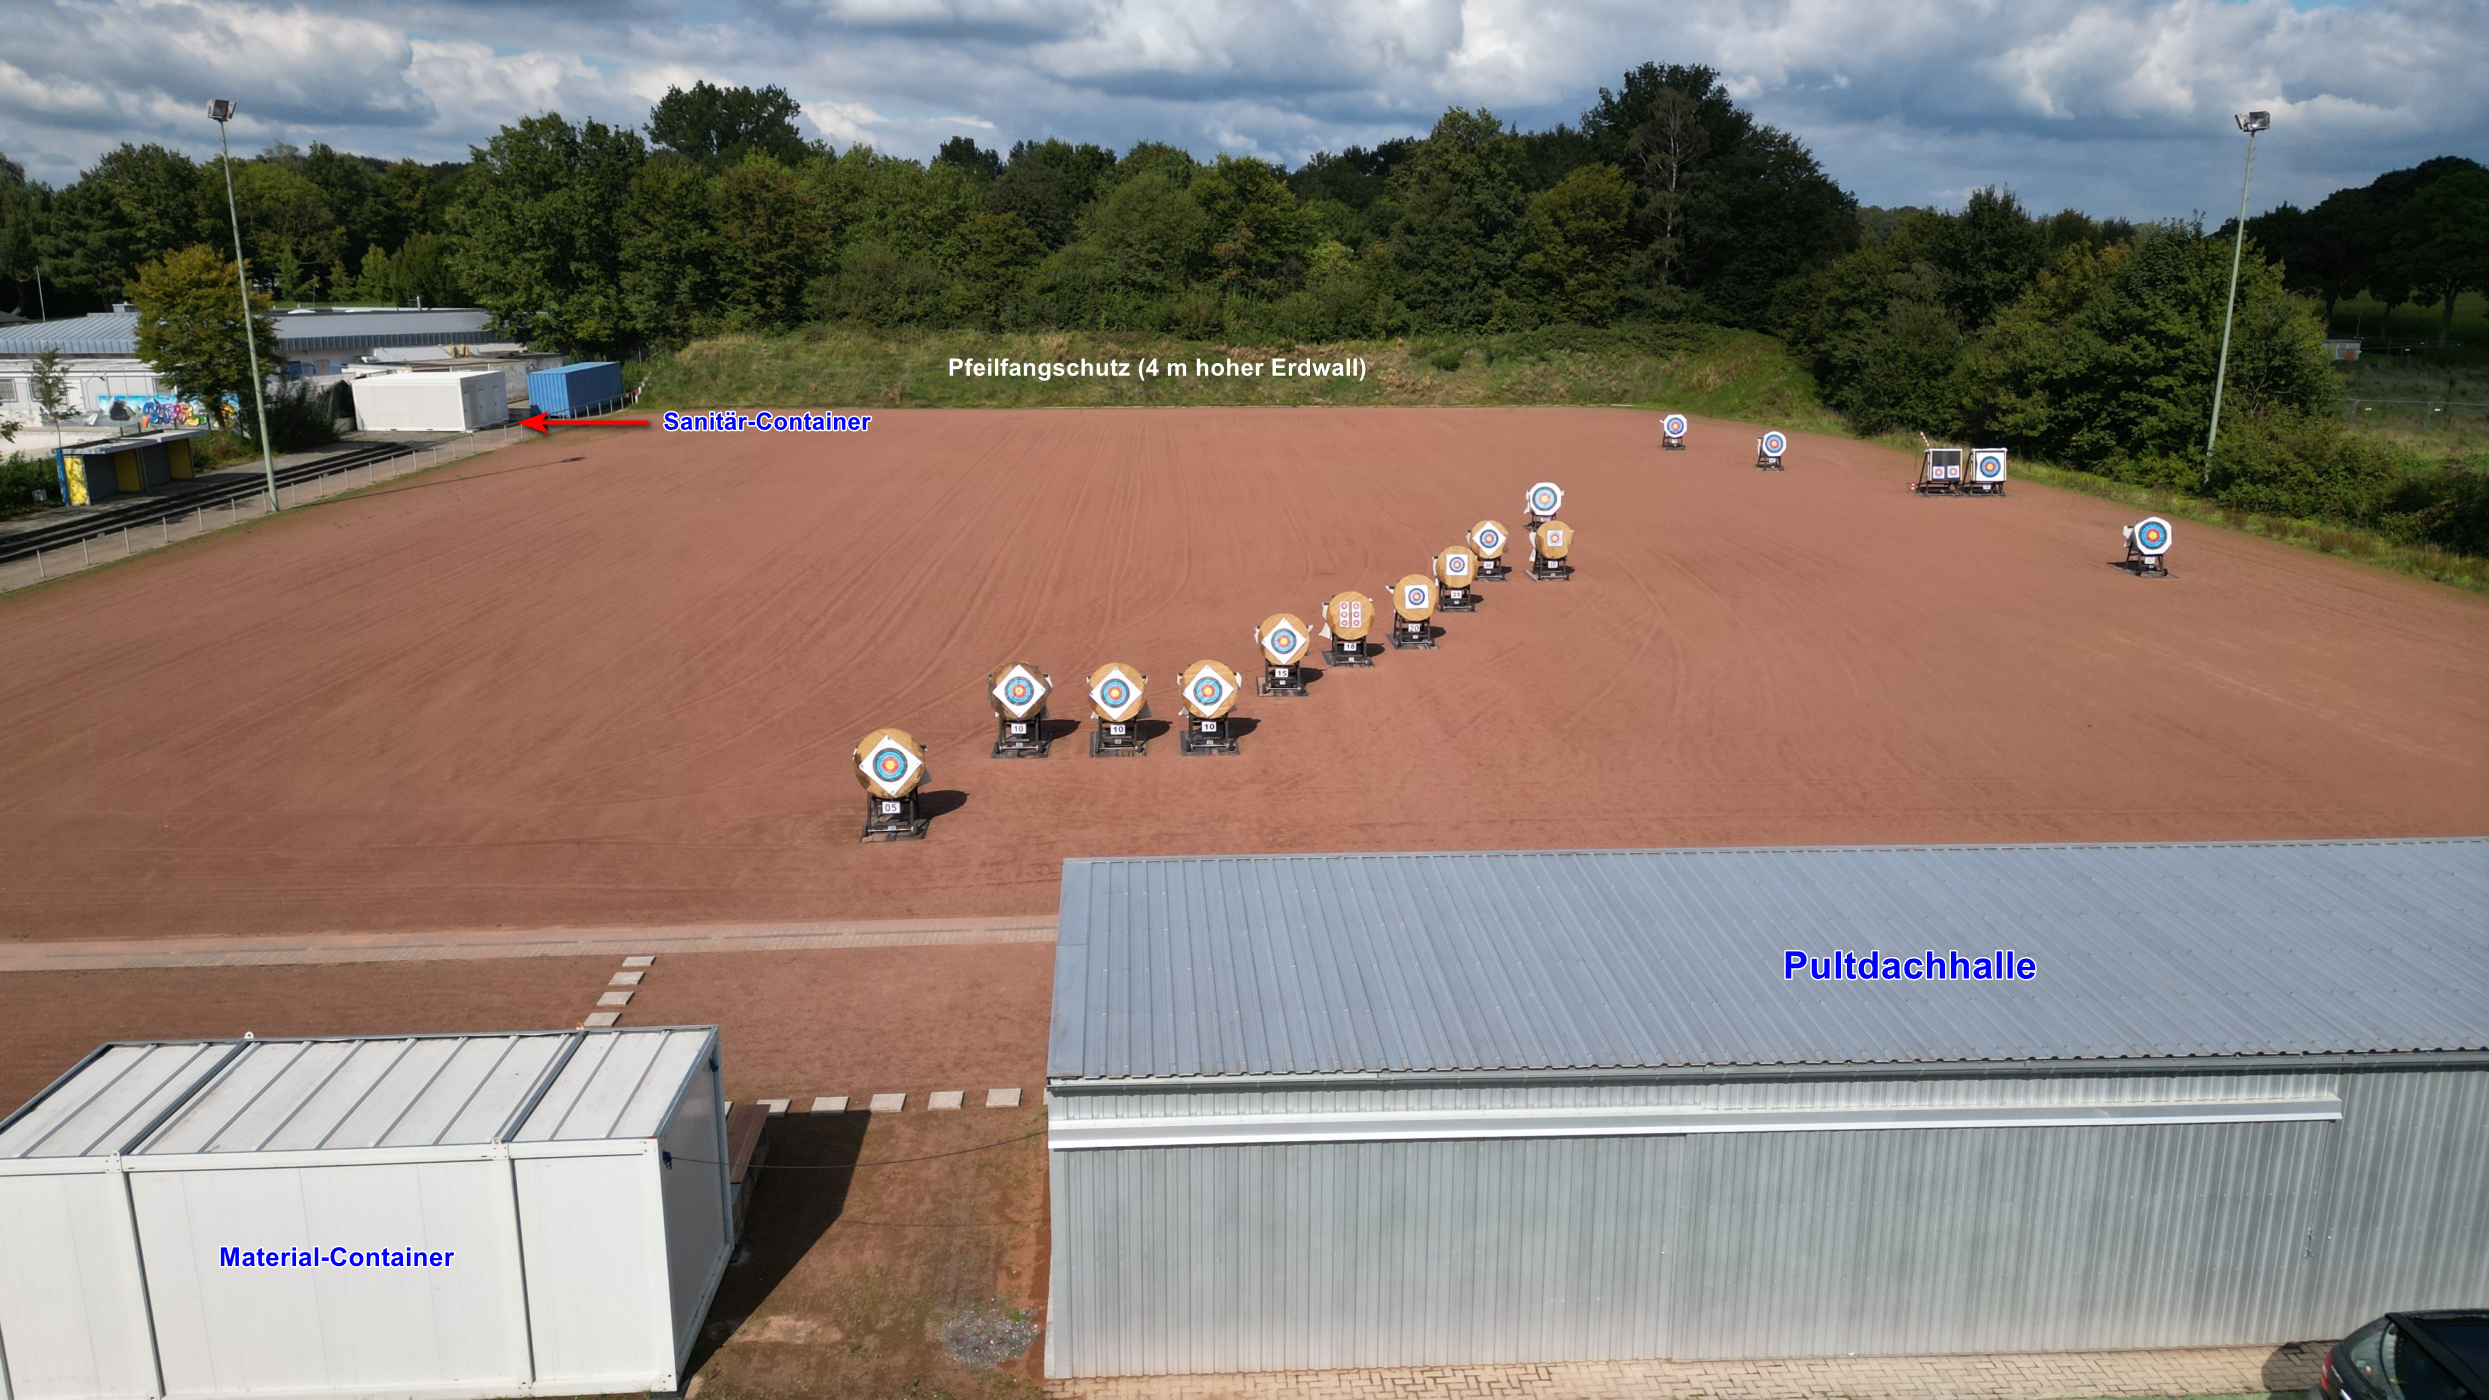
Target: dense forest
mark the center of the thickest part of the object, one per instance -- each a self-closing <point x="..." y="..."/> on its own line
<point x="2086" y="342"/>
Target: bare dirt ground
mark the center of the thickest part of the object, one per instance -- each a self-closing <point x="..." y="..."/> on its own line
<point x="616" y="678"/>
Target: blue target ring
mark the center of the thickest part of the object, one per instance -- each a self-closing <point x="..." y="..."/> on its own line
<point x="1018" y="691"/>
<point x="1542" y="500"/>
<point x="890" y="765"/>
<point x="1417" y="597"/>
<point x="1673" y="425"/>
<point x="1488" y="539"/>
<point x="1991" y="467"/>
<point x="1774" y="444"/>
<point x="1207" y="690"/>
<point x="1283" y="641"/>
<point x="2153" y="536"/>
<point x="1114" y="693"/>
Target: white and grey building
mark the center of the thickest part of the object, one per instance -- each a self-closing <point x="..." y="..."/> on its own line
<point x="1336" y="1111"/>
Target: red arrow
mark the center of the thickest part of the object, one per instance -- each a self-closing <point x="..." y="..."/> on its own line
<point x="543" y="424"/>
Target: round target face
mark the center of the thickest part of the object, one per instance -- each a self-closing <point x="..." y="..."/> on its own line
<point x="1988" y="466"/>
<point x="1555" y="539"/>
<point x="1207" y="690"/>
<point x="889" y="765"/>
<point x="1490" y="537"/>
<point x="1414" y="596"/>
<point x="1018" y="691"/>
<point x="1283" y="641"/>
<point x="1456" y="566"/>
<point x="2152" y="536"/>
<point x="1115" y="693"/>
<point x="1673" y="425"/>
<point x="1546" y="498"/>
<point x="1775" y="443"/>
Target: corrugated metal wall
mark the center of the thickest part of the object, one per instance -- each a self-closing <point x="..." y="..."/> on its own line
<point x="1294" y="1256"/>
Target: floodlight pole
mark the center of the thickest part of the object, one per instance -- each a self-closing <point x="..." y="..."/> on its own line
<point x="2251" y="123"/>
<point x="221" y="111"/>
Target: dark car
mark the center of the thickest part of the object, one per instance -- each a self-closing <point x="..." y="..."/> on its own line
<point x="2441" y="1355"/>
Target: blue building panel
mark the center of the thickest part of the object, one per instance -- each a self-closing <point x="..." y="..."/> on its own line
<point x="576" y="391"/>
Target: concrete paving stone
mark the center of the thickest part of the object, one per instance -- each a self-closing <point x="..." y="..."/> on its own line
<point x="777" y="1107"/>
<point x="603" y="1018"/>
<point x="890" y="1103"/>
<point x="626" y="979"/>
<point x="640" y="960"/>
<point x="614" y="999"/>
<point x="947" y="1098"/>
<point x="832" y="1104"/>
<point x="1002" y="1098"/>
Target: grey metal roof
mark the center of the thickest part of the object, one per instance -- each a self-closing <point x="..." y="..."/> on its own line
<point x="116" y="332"/>
<point x="280" y="1095"/>
<point x="1582" y="960"/>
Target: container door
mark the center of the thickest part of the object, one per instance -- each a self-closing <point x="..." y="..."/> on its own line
<point x="73" y="1318"/>
<point x="75" y="469"/>
<point x="125" y="472"/>
<point x="177" y="458"/>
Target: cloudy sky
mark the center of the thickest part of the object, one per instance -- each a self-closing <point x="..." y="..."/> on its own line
<point x="2114" y="106"/>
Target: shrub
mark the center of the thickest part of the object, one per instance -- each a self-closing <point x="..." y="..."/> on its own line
<point x="2307" y="468"/>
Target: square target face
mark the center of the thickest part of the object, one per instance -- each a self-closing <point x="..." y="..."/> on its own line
<point x="1019" y="691"/>
<point x="889" y="765"/>
<point x="1349" y="613"/>
<point x="1207" y="691"/>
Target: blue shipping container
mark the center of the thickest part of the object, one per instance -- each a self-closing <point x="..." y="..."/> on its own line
<point x="576" y="391"/>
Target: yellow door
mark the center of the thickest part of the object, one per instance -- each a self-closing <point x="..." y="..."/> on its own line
<point x="76" y="467"/>
<point x="177" y="458"/>
<point x="125" y="472"/>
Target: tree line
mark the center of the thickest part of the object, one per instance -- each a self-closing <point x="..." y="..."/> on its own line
<point x="2409" y="237"/>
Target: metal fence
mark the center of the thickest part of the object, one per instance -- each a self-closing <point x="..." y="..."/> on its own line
<point x="2418" y="415"/>
<point x="123" y="542"/>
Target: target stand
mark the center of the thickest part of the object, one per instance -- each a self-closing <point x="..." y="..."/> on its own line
<point x="1407" y="635"/>
<point x="2143" y="565"/>
<point x="1493" y="571"/>
<point x="2147" y="547"/>
<point x="1550" y="570"/>
<point x="1021" y="738"/>
<point x="892" y="819"/>
<point x="1456" y="600"/>
<point x="1769" y="449"/>
<point x="1281" y="680"/>
<point x="1347" y="653"/>
<point x="1118" y="739"/>
<point x="1215" y="736"/>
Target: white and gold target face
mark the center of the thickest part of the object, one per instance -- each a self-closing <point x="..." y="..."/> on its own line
<point x="1456" y="567"/>
<point x="1414" y="597"/>
<point x="1284" y="638"/>
<point x="1210" y="690"/>
<point x="890" y="763"/>
<point x="1350" y="615"/>
<point x="1019" y="690"/>
<point x="1546" y="498"/>
<point x="1555" y="540"/>
<point x="1490" y="538"/>
<point x="1115" y="692"/>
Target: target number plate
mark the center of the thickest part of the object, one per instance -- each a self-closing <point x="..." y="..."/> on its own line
<point x="890" y="809"/>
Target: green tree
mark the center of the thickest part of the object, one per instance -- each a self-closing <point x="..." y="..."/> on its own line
<point x="1882" y="338"/>
<point x="132" y="206"/>
<point x="288" y="228"/>
<point x="538" y="220"/>
<point x="1580" y="240"/>
<point x="767" y="244"/>
<point x="1258" y="233"/>
<point x="725" y="125"/>
<point x="1989" y="255"/>
<point x="191" y="329"/>
<point x="1458" y="234"/>
<point x="2109" y="359"/>
<point x="670" y="253"/>
<point x="2441" y="243"/>
<point x="21" y="209"/>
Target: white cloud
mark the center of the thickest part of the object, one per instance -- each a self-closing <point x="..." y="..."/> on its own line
<point x="2120" y="106"/>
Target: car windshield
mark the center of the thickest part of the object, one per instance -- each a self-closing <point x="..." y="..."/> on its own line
<point x="2411" y="1374"/>
<point x="2466" y="1337"/>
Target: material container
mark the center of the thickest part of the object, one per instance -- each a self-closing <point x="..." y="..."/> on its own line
<point x="576" y="391"/>
<point x="446" y="401"/>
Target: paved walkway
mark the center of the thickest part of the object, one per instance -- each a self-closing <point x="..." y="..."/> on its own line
<point x="2037" y="1376"/>
<point x="447" y="945"/>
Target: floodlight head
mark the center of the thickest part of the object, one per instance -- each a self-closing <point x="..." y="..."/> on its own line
<point x="890" y="763"/>
<point x="2254" y="122"/>
<point x="220" y="110"/>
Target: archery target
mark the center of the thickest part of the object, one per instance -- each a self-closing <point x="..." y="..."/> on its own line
<point x="1555" y="539"/>
<point x="1546" y="498"/>
<point x="1210" y="689"/>
<point x="1490" y="537"/>
<point x="1673" y="425"/>
<point x="1115" y="691"/>
<point x="1988" y="464"/>
<point x="2152" y="535"/>
<point x="1775" y="443"/>
<point x="1455" y="567"/>
<point x="890" y="763"/>
<point x="1018" y="691"/>
<point x="1414" y="597"/>
<point x="1350" y="615"/>
<point x="1284" y="638"/>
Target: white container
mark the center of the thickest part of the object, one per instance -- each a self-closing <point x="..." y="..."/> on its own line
<point x="525" y="1214"/>
<point x="444" y="401"/>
